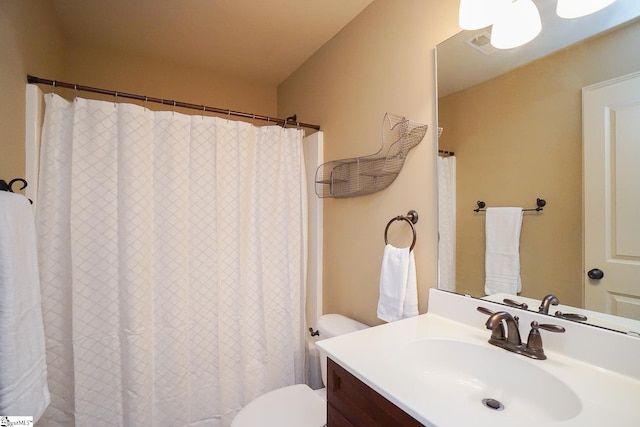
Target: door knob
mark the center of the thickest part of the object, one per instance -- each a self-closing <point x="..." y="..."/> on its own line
<point x="595" y="274"/>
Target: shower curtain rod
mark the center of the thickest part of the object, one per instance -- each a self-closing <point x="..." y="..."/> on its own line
<point x="291" y="121"/>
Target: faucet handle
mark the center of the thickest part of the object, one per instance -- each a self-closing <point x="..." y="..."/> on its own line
<point x="571" y="316"/>
<point x="485" y="310"/>
<point x="512" y="303"/>
<point x="548" y="327"/>
<point x="488" y="312"/>
<point x="534" y="342"/>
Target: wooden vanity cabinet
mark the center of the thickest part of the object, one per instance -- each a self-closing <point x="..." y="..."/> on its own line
<point x="352" y="403"/>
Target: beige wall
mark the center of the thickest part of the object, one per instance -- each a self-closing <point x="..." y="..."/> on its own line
<point x="99" y="67"/>
<point x="383" y="61"/>
<point x="30" y="42"/>
<point x="518" y="137"/>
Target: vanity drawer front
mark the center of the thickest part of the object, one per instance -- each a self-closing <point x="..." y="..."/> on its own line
<point x="353" y="403"/>
<point x="335" y="418"/>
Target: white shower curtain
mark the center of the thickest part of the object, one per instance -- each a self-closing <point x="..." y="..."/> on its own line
<point x="172" y="262"/>
<point x="447" y="223"/>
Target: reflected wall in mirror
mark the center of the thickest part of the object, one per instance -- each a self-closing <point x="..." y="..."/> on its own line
<point x="517" y="136"/>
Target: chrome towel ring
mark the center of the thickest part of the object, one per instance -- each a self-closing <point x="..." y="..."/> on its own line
<point x="411" y="218"/>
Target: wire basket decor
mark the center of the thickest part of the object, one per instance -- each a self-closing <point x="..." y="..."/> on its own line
<point x="365" y="175"/>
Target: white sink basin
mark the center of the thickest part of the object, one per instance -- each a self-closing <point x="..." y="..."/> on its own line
<point x="487" y="380"/>
<point x="439" y="367"/>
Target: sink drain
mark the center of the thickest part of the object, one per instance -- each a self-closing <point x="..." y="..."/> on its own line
<point x="493" y="404"/>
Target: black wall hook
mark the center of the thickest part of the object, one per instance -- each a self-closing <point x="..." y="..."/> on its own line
<point x="4" y="186"/>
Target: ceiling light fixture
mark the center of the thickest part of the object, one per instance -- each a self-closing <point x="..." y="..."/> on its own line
<point x="516" y="24"/>
<point x="576" y="8"/>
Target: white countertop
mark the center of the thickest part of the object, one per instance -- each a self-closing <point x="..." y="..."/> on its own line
<point x="607" y="398"/>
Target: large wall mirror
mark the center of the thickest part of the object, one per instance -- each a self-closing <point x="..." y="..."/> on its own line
<point x="513" y="119"/>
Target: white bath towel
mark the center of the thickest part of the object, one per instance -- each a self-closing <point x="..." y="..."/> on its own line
<point x="23" y="368"/>
<point x="502" y="256"/>
<point x="398" y="287"/>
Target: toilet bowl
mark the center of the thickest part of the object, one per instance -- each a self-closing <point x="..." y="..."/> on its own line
<point x="297" y="405"/>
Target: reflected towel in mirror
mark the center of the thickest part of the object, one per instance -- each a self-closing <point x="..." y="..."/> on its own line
<point x="502" y="253"/>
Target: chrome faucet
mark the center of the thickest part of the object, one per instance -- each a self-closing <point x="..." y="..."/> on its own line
<point x="548" y="301"/>
<point x="512" y="341"/>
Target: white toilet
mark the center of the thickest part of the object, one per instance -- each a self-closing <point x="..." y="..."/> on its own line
<point x="297" y="405"/>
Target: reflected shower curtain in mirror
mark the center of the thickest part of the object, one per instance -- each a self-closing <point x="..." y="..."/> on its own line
<point x="172" y="262"/>
<point x="447" y="223"/>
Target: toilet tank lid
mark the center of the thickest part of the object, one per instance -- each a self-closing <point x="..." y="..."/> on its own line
<point x="332" y="325"/>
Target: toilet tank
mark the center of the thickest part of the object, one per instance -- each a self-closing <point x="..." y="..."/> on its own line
<point x="333" y="325"/>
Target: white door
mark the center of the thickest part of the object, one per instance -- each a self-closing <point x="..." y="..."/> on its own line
<point x="611" y="144"/>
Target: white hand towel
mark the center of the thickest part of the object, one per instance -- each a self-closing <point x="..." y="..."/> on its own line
<point x="410" y="307"/>
<point x="23" y="368"/>
<point x="502" y="256"/>
<point x="398" y="287"/>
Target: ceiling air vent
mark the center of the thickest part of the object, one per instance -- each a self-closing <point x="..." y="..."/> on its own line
<point x="482" y="43"/>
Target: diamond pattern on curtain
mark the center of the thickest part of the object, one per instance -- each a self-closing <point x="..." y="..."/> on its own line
<point x="171" y="251"/>
<point x="447" y="223"/>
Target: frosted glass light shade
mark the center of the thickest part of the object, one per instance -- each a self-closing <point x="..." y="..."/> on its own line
<point x="476" y="14"/>
<point x="577" y="8"/>
<point x="516" y="24"/>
